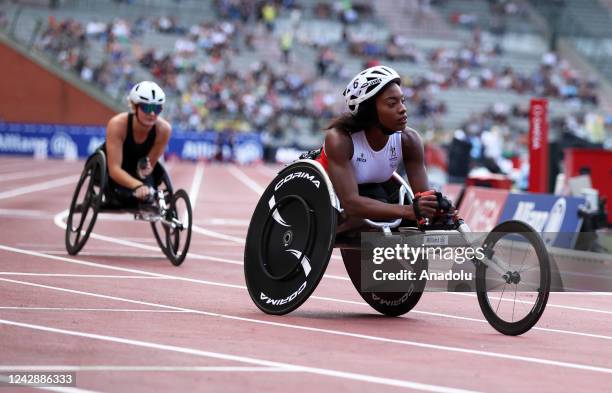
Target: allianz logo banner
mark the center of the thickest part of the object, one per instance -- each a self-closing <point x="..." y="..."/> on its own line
<point x="72" y="142"/>
<point x="555" y="217"/>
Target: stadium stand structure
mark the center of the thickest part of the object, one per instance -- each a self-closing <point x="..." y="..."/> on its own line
<point x="520" y="46"/>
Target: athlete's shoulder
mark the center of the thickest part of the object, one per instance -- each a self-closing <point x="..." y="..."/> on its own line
<point x="338" y="143"/>
<point x="411" y="137"/>
<point x="163" y="125"/>
<point x="164" y="130"/>
<point x="117" y="124"/>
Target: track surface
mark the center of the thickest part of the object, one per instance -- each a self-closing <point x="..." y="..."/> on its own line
<point x="124" y="319"/>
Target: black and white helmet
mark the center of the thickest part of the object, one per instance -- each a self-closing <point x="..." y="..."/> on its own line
<point x="147" y="92"/>
<point x="366" y="84"/>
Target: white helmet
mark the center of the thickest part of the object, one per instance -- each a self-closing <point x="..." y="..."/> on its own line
<point x="366" y="84"/>
<point x="147" y="92"/>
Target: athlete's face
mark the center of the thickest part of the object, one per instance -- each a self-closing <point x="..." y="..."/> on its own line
<point x="147" y="113"/>
<point x="391" y="109"/>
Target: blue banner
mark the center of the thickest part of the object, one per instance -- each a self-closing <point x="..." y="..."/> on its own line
<point x="555" y="217"/>
<point x="71" y="142"/>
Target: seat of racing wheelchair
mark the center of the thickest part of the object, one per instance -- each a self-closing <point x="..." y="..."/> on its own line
<point x="291" y="238"/>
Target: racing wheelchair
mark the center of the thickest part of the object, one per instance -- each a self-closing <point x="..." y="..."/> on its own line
<point x="292" y="234"/>
<point x="168" y="211"/>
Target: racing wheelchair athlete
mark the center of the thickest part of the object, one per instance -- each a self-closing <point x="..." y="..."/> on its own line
<point x="350" y="185"/>
<point x="124" y="175"/>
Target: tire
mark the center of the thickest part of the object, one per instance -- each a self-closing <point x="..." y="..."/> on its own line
<point x="506" y="236"/>
<point x="178" y="236"/>
<point x="392" y="304"/>
<point x="86" y="201"/>
<point x="290" y="238"/>
<point x="159" y="230"/>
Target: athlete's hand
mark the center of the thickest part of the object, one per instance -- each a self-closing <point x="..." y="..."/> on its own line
<point x="427" y="205"/>
<point x="142" y="192"/>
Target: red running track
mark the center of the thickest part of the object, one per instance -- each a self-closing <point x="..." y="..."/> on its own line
<point x="124" y="319"/>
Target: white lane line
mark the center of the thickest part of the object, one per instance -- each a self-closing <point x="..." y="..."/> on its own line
<point x="269" y="171"/>
<point x="194" y="191"/>
<point x="107" y="254"/>
<point x="243" y="359"/>
<point x="446" y="348"/>
<point x="247" y="181"/>
<point x="39" y="187"/>
<point x="58" y="220"/>
<point x="25" y="213"/>
<point x="90" y="309"/>
<point x="583" y="293"/>
<point x="225" y="285"/>
<point x="110" y="267"/>
<point x="223" y="243"/>
<point x="67" y="368"/>
<point x="80" y="275"/>
<point x="8" y="166"/>
<point x="31" y="173"/>
<point x="575" y="308"/>
<point x="217" y="235"/>
<point x="334" y="277"/>
<point x="227" y="222"/>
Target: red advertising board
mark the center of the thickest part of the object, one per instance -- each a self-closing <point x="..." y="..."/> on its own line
<point x="481" y="207"/>
<point x="538" y="145"/>
<point x="599" y="164"/>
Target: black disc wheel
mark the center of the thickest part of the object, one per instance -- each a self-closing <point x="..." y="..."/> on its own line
<point x="85" y="203"/>
<point x="290" y="239"/>
<point x="513" y="280"/>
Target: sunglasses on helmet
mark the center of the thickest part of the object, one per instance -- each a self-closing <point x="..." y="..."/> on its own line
<point x="148" y="108"/>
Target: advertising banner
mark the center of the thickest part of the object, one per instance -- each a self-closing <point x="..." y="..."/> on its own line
<point x="555" y="217"/>
<point x="481" y="207"/>
<point x="72" y="142"/>
<point x="538" y="145"/>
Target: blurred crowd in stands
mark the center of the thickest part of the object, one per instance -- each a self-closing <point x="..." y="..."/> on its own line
<point x="211" y="94"/>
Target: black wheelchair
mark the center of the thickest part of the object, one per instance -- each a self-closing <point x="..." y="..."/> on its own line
<point x="168" y="212"/>
<point x="292" y="234"/>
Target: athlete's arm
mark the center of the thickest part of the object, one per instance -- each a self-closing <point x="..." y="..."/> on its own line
<point x="414" y="160"/>
<point x="164" y="131"/>
<point x="339" y="151"/>
<point x="115" y="137"/>
<point x="414" y="163"/>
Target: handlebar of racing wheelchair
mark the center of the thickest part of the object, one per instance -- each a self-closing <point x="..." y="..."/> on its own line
<point x="404" y="191"/>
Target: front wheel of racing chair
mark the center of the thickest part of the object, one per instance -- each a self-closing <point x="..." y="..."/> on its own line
<point x="86" y="202"/>
<point x="168" y="230"/>
<point x="290" y="240"/>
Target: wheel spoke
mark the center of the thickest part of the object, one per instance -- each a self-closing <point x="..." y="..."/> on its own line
<point x="514" y="303"/>
<point x="500" y="298"/>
